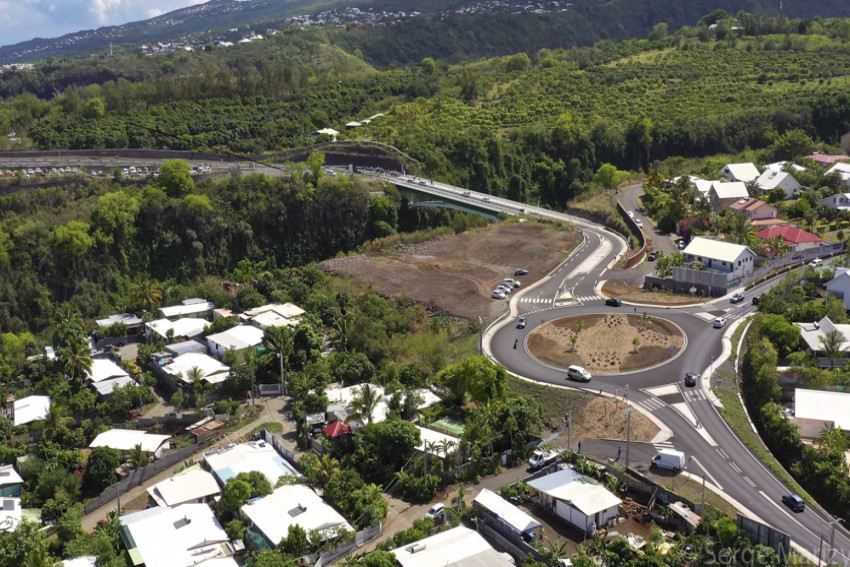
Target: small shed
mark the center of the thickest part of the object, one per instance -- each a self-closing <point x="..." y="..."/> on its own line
<point x="336" y="429"/>
<point x="578" y="500"/>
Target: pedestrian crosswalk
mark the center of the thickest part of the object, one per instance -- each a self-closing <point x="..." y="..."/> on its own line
<point x="535" y="300"/>
<point x="694" y="395"/>
<point x="661" y="445"/>
<point x="651" y="404"/>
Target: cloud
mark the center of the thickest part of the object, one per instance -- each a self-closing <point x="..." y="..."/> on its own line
<point x="22" y="20"/>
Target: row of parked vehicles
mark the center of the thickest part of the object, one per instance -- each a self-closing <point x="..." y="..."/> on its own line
<point x="505" y="288"/>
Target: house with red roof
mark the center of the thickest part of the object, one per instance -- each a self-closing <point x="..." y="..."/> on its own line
<point x="825" y="160"/>
<point x="795" y="238"/>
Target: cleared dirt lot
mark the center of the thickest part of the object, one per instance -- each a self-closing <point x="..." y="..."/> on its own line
<point x="457" y="274"/>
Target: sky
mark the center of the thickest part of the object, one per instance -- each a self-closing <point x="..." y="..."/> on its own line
<point x="22" y="20"/>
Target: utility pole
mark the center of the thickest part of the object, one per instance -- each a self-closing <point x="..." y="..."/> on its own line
<point x="628" y="435"/>
<point x="702" y="505"/>
<point x="831" y="542"/>
<point x="569" y="429"/>
<point x="820" y="548"/>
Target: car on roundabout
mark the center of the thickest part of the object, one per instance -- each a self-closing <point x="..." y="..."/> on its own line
<point x="720" y="322"/>
<point x="521" y="322"/>
<point x="690" y="380"/>
<point x="613" y="301"/>
<point x="578" y="374"/>
<point x="737" y="298"/>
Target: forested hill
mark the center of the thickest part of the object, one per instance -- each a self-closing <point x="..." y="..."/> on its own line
<point x="451" y="30"/>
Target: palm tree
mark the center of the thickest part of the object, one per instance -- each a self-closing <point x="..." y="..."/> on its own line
<point x="446" y="446"/>
<point x="703" y="208"/>
<point x="76" y="359"/>
<point x="138" y="457"/>
<point x="67" y="326"/>
<point x="366" y="401"/>
<point x="680" y="193"/>
<point x="831" y="345"/>
<point x="195" y="375"/>
<point x="145" y="293"/>
<point x="555" y="551"/>
<point x="341" y="328"/>
<point x="742" y="231"/>
<point x="327" y="468"/>
<point x="280" y="341"/>
<point x="57" y="416"/>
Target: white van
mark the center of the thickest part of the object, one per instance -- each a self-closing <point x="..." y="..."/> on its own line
<point x="578" y="373"/>
<point x="669" y="459"/>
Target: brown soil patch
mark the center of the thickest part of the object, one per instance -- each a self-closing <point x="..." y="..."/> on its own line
<point x="458" y="273"/>
<point x="605" y="418"/>
<point x="633" y="294"/>
<point x="604" y="345"/>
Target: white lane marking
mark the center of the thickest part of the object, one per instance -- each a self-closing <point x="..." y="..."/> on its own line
<point x="594" y="259"/>
<point x="750" y="482"/>
<point x="735" y="467"/>
<point x="781" y="509"/>
<point x="722" y="453"/>
<point x="664" y="390"/>
<point x="708" y="474"/>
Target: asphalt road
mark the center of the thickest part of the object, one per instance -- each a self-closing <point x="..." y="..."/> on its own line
<point x="660" y="241"/>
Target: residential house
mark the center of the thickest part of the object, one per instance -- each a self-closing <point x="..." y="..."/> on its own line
<point x="795" y="238"/>
<point x="127" y="439"/>
<point x="238" y="339"/>
<point x="816" y="410"/>
<point x="814" y="335"/>
<point x="29" y="409"/>
<point x="435" y="443"/>
<point x="134" y="323"/>
<point x="10" y="481"/>
<point x="843" y="171"/>
<point x="105" y="376"/>
<point x="754" y="209"/>
<point x="190" y="486"/>
<point x="824" y="160"/>
<point x="839" y="201"/>
<point x="577" y="499"/>
<point x="743" y="172"/>
<point x="293" y="505"/>
<point x="81" y="561"/>
<point x="184" y="328"/>
<point x="724" y="194"/>
<point x="11" y="514"/>
<point x="720" y="256"/>
<point x="771" y="179"/>
<point x="839" y="286"/>
<point x="195" y="307"/>
<point x="457" y="547"/>
<point x="324" y="132"/>
<point x="185" y="536"/>
<point x="212" y="371"/>
<point x="274" y="315"/>
<point x="699" y="187"/>
<point x="340" y="401"/>
<point x="186" y="347"/>
<point x="506" y="518"/>
<point x="227" y="462"/>
<point x="784" y="166"/>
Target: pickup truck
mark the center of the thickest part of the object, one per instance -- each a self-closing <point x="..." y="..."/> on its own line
<point x="542" y="457"/>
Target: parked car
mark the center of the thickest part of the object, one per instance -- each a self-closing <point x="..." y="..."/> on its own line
<point x="794" y="502"/>
<point x="613" y="301"/>
<point x="756" y="300"/>
<point x="521" y="322"/>
<point x="465" y="193"/>
<point x="737" y="298"/>
<point x="652" y="256"/>
<point x="505" y="289"/>
<point x="631" y="214"/>
<point x="486" y="199"/>
<point x="816" y="262"/>
<point x="520" y="272"/>
<point x="578" y="373"/>
<point x="438" y="510"/>
<point x="510" y="282"/>
<point x="690" y="379"/>
<point x="682" y="244"/>
<point x="719" y="322"/>
<point x="498" y="294"/>
<point x="669" y="459"/>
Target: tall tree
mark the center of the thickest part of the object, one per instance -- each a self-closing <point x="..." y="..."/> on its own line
<point x="366" y="401"/>
<point x="281" y="342"/>
<point x="831" y="345"/>
<point x="145" y="294"/>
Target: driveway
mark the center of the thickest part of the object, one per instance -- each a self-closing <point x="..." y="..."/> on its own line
<point x="659" y="241"/>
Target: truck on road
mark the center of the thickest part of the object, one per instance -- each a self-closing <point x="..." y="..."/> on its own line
<point x="543" y="457"/>
<point x="669" y="459"/>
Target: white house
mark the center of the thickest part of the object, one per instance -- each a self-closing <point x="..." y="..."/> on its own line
<point x="577" y="499"/>
<point x="190" y="486"/>
<point x="326" y="132"/>
<point x="188" y="327"/>
<point x="724" y="194"/>
<point x="212" y="371"/>
<point x="294" y="505"/>
<point x="699" y="186"/>
<point x="178" y="537"/>
<point x="238" y="339"/>
<point x="839" y="286"/>
<point x="457" y="547"/>
<point x="839" y="201"/>
<point x="11" y="482"/>
<point x="814" y="335"/>
<point x="842" y="170"/>
<point x="771" y="179"/>
<point x="721" y="256"/>
<point x="816" y="410"/>
<point x="227" y="462"/>
<point x="11" y="514"/>
<point x="341" y="399"/>
<point x="126" y="439"/>
<point x="133" y="322"/>
<point x="195" y="307"/>
<point x="501" y="512"/>
<point x="105" y="369"/>
<point x="29" y="409"/>
<point x="744" y="172"/>
<point x="274" y="315"/>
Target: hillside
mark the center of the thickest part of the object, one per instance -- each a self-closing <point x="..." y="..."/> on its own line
<point x="390" y="33"/>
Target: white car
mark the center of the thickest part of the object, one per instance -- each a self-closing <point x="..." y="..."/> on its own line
<point x="632" y="214"/>
<point x="498" y="294"/>
<point x="510" y="282"/>
<point x="504" y="289"/>
<point x="719" y="322"/>
<point x="639" y="223"/>
<point x="816" y="262"/>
